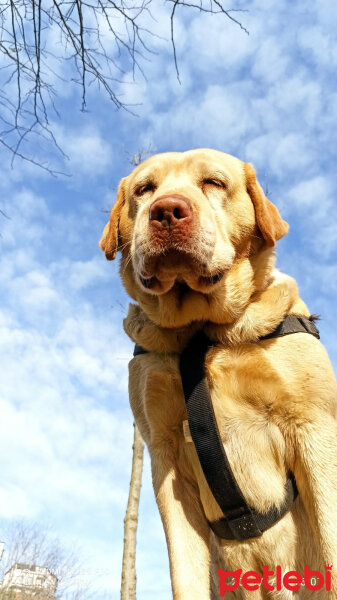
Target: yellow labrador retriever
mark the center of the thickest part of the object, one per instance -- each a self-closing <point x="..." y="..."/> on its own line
<point x="197" y="235"/>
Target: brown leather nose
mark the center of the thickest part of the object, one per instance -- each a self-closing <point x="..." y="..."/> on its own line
<point x="169" y="211"/>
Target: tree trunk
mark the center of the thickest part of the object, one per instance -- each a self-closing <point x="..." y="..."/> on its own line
<point x="128" y="587"/>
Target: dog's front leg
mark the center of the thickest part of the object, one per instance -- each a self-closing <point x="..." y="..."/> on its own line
<point x="315" y="468"/>
<point x="186" y="529"/>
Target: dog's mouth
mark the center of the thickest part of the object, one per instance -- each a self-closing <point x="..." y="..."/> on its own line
<point x="150" y="283"/>
<point x="147" y="282"/>
<point x="212" y="279"/>
<point x="158" y="274"/>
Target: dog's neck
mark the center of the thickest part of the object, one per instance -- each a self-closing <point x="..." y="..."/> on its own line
<point x="234" y="314"/>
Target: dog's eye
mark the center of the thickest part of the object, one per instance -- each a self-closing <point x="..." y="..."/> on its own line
<point x="214" y="182"/>
<point x="146" y="187"/>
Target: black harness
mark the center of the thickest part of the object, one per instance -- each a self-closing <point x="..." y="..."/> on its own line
<point x="240" y="521"/>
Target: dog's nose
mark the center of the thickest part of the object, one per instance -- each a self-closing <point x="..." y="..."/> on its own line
<point x="169" y="211"/>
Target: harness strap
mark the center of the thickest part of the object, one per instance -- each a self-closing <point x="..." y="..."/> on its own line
<point x="240" y="521"/>
<point x="293" y="324"/>
<point x="206" y="437"/>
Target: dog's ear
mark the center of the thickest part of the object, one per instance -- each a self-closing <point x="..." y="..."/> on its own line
<point x="109" y="240"/>
<point x="268" y="218"/>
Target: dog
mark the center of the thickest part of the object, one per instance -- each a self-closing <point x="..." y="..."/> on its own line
<point x="197" y="239"/>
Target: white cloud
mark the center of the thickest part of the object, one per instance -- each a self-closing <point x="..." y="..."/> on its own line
<point x="81" y="274"/>
<point x="312" y="194"/>
<point x="89" y="153"/>
<point x="291" y="154"/>
<point x="313" y="199"/>
<point x="322" y="47"/>
<point x="270" y="98"/>
<point x="271" y="62"/>
<point x="65" y="428"/>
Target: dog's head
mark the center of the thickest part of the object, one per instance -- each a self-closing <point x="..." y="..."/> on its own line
<point x="184" y="223"/>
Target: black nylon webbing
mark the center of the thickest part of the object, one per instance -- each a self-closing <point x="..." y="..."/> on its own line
<point x="206" y="436"/>
<point x="240" y="521"/>
<point x="293" y="324"/>
<point x="224" y="527"/>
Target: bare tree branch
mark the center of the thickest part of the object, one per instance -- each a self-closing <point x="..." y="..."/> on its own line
<point x="33" y="545"/>
<point x="204" y="9"/>
<point x="45" y="43"/>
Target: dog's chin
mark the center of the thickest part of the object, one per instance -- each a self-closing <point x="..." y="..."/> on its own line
<point x="181" y="284"/>
<point x="178" y="271"/>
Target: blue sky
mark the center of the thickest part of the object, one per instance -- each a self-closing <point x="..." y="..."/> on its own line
<point x="270" y="98"/>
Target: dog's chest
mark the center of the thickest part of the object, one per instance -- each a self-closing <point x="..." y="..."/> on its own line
<point x="254" y="446"/>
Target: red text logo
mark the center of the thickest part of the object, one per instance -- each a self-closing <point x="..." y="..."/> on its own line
<point x="291" y="580"/>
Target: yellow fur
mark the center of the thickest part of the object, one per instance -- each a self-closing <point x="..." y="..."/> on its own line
<point x="274" y="400"/>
